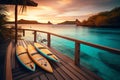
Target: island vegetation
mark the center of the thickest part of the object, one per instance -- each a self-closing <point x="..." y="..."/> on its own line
<point x="23" y="21"/>
<point x="104" y="19"/>
<point x="5" y="34"/>
<point x="67" y="22"/>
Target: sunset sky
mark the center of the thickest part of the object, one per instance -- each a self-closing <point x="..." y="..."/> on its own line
<point x="61" y="10"/>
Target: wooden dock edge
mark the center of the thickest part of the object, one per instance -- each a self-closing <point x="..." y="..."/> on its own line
<point x="8" y="67"/>
<point x="87" y="71"/>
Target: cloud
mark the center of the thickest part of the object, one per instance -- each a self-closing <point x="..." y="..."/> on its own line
<point x="66" y="6"/>
<point x="58" y="9"/>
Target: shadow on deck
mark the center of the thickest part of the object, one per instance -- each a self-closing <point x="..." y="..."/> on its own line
<point x="65" y="70"/>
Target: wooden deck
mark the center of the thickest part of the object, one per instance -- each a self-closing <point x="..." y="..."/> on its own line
<point x="65" y="70"/>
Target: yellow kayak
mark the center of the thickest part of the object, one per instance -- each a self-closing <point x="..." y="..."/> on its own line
<point x="39" y="59"/>
<point x="24" y="59"/>
<point x="45" y="52"/>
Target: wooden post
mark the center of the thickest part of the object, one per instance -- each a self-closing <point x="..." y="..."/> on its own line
<point x="49" y="39"/>
<point x="77" y="53"/>
<point x="8" y="71"/>
<point x="23" y="32"/>
<point x="16" y="13"/>
<point x="35" y="36"/>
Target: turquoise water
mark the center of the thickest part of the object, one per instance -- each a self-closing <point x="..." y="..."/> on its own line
<point x="101" y="62"/>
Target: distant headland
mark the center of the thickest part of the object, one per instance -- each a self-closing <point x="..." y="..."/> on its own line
<point x="107" y="19"/>
<point x="103" y="19"/>
<point x="67" y="22"/>
<point x="22" y="21"/>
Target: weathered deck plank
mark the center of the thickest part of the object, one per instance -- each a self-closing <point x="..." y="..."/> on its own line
<point x="65" y="70"/>
<point x="43" y="77"/>
<point x="36" y="78"/>
<point x="83" y="71"/>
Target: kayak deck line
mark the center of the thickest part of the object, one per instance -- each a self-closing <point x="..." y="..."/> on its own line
<point x="22" y="53"/>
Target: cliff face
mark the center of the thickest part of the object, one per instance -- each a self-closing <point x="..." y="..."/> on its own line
<point x="104" y="19"/>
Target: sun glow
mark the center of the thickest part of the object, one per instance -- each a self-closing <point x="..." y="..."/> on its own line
<point x="64" y="2"/>
<point x="57" y="11"/>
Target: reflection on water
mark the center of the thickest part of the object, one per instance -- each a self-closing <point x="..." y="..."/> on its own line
<point x="107" y="57"/>
<point x="101" y="62"/>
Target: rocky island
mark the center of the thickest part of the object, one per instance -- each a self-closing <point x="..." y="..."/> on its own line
<point x="103" y="19"/>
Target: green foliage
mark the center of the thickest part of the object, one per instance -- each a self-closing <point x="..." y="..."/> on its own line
<point x="3" y="17"/>
<point x="5" y="33"/>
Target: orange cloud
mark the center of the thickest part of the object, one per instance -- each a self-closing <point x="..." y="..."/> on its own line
<point x="60" y="10"/>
